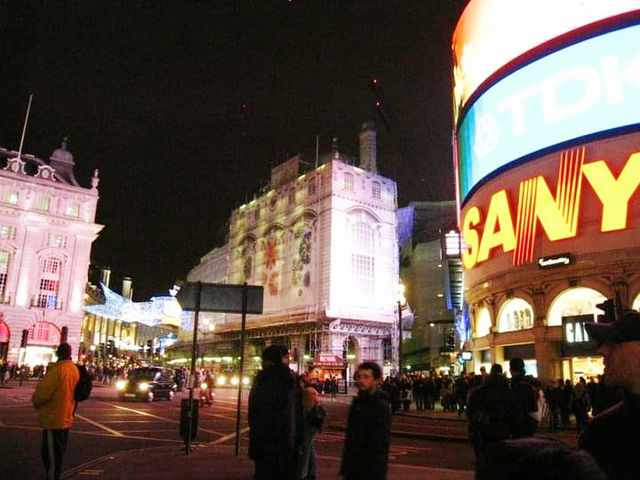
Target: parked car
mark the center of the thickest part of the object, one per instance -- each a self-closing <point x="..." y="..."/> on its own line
<point x="148" y="383"/>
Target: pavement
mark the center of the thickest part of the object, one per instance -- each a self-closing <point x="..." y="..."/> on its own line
<point x="217" y="460"/>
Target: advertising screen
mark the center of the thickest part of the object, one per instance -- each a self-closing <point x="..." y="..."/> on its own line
<point x="586" y="88"/>
<point x="491" y="33"/>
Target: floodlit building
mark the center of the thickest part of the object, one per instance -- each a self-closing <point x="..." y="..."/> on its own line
<point x="47" y="226"/>
<point x="323" y="243"/>
<point x="432" y="272"/>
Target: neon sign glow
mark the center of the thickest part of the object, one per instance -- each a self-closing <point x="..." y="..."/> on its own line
<point x="557" y="215"/>
<point x="586" y="88"/>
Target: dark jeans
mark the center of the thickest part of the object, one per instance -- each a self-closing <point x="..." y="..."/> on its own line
<point x="54" y="444"/>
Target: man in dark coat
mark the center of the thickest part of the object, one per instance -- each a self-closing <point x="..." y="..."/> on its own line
<point x="273" y="404"/>
<point x="491" y="413"/>
<point x="613" y="436"/>
<point x="526" y="397"/>
<point x="366" y="447"/>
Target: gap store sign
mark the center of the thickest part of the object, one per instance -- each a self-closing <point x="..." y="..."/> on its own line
<point x="589" y="87"/>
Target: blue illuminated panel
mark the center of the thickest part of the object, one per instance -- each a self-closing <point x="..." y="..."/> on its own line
<point x="583" y="89"/>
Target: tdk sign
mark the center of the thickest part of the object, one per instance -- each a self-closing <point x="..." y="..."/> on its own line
<point x="589" y="87"/>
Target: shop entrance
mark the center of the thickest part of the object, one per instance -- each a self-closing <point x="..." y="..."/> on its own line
<point x="587" y="367"/>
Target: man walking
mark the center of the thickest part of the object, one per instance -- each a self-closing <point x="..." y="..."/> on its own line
<point x="274" y="405"/>
<point x="366" y="447"/>
<point x="54" y="401"/>
<point x="612" y="436"/>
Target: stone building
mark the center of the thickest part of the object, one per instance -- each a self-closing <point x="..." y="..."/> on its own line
<point x="47" y="226"/>
<point x="323" y="243"/>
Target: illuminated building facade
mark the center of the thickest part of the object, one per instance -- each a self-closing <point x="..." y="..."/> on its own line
<point x="323" y="243"/>
<point x="115" y="327"/>
<point x="432" y="271"/>
<point x="47" y="226"/>
<point x="547" y="137"/>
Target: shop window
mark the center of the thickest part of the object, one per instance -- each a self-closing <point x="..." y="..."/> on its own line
<point x="483" y="322"/>
<point x="515" y="314"/>
<point x="636" y="303"/>
<point x="574" y="301"/>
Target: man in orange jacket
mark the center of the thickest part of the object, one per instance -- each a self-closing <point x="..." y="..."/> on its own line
<point x="54" y="401"/>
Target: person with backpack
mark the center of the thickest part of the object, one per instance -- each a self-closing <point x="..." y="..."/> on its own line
<point x="492" y="413"/>
<point x="54" y="399"/>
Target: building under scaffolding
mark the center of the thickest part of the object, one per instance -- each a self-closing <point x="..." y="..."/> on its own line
<point x="323" y="243"/>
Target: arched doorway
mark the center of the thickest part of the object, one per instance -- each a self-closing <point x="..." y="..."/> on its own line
<point x="43" y="339"/>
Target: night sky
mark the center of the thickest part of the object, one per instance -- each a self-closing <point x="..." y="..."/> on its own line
<point x="185" y="106"/>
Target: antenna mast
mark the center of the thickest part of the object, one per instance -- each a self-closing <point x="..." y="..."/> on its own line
<point x="24" y="128"/>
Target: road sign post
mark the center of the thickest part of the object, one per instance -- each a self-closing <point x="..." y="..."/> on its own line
<point x="213" y="297"/>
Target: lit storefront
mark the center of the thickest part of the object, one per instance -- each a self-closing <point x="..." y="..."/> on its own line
<point x="547" y="164"/>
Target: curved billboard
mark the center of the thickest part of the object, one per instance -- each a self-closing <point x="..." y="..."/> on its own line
<point x="586" y="88"/>
<point x="492" y="33"/>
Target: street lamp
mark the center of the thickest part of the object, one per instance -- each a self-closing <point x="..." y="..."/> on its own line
<point x="400" y="298"/>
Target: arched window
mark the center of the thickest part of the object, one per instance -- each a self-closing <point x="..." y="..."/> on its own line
<point x="5" y="257"/>
<point x="49" y="283"/>
<point x="636" y="303"/>
<point x="515" y="314"/>
<point x="363" y="261"/>
<point x="483" y="322"/>
<point x="574" y="301"/>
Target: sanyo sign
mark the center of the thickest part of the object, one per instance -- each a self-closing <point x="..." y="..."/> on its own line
<point x="515" y="229"/>
<point x="583" y="89"/>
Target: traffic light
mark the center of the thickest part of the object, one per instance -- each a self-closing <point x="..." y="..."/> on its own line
<point x="609" y="310"/>
<point x="25" y="338"/>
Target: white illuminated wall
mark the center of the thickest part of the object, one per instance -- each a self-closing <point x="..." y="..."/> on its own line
<point x="298" y="241"/>
<point x="44" y="216"/>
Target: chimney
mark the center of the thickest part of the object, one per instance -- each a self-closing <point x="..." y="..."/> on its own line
<point x="127" y="292"/>
<point x="105" y="276"/>
<point x="368" y="147"/>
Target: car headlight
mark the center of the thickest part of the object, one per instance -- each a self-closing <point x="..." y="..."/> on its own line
<point x="121" y="384"/>
<point x="235" y="381"/>
<point x="143" y="386"/>
<point x="203" y="386"/>
<point x="221" y="380"/>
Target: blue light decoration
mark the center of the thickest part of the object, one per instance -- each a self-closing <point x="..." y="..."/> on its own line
<point x="463" y="325"/>
<point x="405" y="224"/>
<point x="120" y="308"/>
<point x="576" y="92"/>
